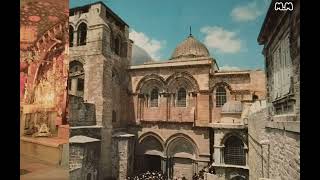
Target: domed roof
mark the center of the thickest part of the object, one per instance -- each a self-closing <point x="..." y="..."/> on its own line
<point x="232" y="107"/>
<point x="190" y="48"/>
<point x="139" y="55"/>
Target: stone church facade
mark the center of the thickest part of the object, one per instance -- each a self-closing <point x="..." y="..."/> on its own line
<point x="176" y="116"/>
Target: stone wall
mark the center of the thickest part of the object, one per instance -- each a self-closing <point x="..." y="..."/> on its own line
<point x="273" y="152"/>
<point x="75" y="160"/>
<point x="80" y="113"/>
<point x="122" y="156"/>
<point x="256" y="133"/>
<point x="75" y="174"/>
<point x="284" y="154"/>
<point x="83" y="160"/>
<point x="94" y="132"/>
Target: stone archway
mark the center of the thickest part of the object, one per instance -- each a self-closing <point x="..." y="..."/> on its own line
<point x="238" y="178"/>
<point x="149" y="154"/>
<point x="76" y="78"/>
<point x="182" y="153"/>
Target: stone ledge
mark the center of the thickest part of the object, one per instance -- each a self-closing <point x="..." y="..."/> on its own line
<point x="170" y="63"/>
<point x="45" y="141"/>
<point x="123" y="135"/>
<point x="86" y="127"/>
<point x="285" y="117"/>
<point x="228" y="126"/>
<point x="230" y="166"/>
<point x="292" y="126"/>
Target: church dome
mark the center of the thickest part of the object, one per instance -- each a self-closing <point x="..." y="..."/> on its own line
<point x="190" y="48"/>
<point x="232" y="107"/>
<point x="139" y="55"/>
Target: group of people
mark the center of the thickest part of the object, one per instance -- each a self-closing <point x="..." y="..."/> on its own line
<point x="200" y="175"/>
<point x="158" y="175"/>
<point x="149" y="175"/>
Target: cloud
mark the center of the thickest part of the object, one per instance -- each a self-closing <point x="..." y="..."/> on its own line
<point x="222" y="40"/>
<point x="245" y="13"/>
<point x="229" y="68"/>
<point x="152" y="46"/>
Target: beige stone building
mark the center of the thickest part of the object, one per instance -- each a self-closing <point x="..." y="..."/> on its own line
<point x="274" y="124"/>
<point x="176" y="116"/>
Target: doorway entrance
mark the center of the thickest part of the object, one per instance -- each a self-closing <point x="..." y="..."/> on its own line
<point x="153" y="163"/>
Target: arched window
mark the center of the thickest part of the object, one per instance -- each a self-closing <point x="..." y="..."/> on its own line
<point x="234" y="152"/>
<point x="76" y="78"/>
<point x="71" y="36"/>
<point x="255" y="97"/>
<point x="114" y="116"/>
<point x="82" y="34"/>
<point x="182" y="96"/>
<point x="238" y="178"/>
<point x="75" y="67"/>
<point x="221" y="96"/>
<point x="69" y="84"/>
<point x="117" y="45"/>
<point x="115" y="76"/>
<point x="80" y="85"/>
<point x="154" y="98"/>
<point x="89" y="176"/>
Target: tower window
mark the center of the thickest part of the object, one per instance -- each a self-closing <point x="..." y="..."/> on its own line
<point x="82" y="34"/>
<point x="255" y="97"/>
<point x="117" y="46"/>
<point x="71" y="36"/>
<point x="114" y="116"/>
<point x="89" y="176"/>
<point x="69" y="84"/>
<point x="80" y="85"/>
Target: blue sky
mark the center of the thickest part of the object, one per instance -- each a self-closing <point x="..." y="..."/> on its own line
<point x="229" y="29"/>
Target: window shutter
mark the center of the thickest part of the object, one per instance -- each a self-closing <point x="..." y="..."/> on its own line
<point x="287" y="65"/>
<point x="282" y="67"/>
<point x="274" y="74"/>
<point x="278" y="71"/>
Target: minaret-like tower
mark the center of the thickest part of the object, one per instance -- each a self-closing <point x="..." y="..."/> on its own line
<point x="99" y="57"/>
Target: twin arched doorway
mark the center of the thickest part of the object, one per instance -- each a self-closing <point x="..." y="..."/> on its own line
<point x="177" y="157"/>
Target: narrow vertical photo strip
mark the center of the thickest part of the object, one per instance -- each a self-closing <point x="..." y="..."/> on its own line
<point x="44" y="65"/>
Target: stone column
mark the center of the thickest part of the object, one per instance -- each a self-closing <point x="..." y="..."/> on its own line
<point x="218" y="135"/>
<point x="141" y="104"/>
<point x="217" y="156"/>
<point x="75" y="37"/>
<point x="195" y="167"/>
<point x="122" y="164"/>
<point x="74" y="86"/>
<point x="247" y="158"/>
<point x="196" y="106"/>
<point x="136" y="109"/>
<point x="169" y="167"/>
<point x="163" y="164"/>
